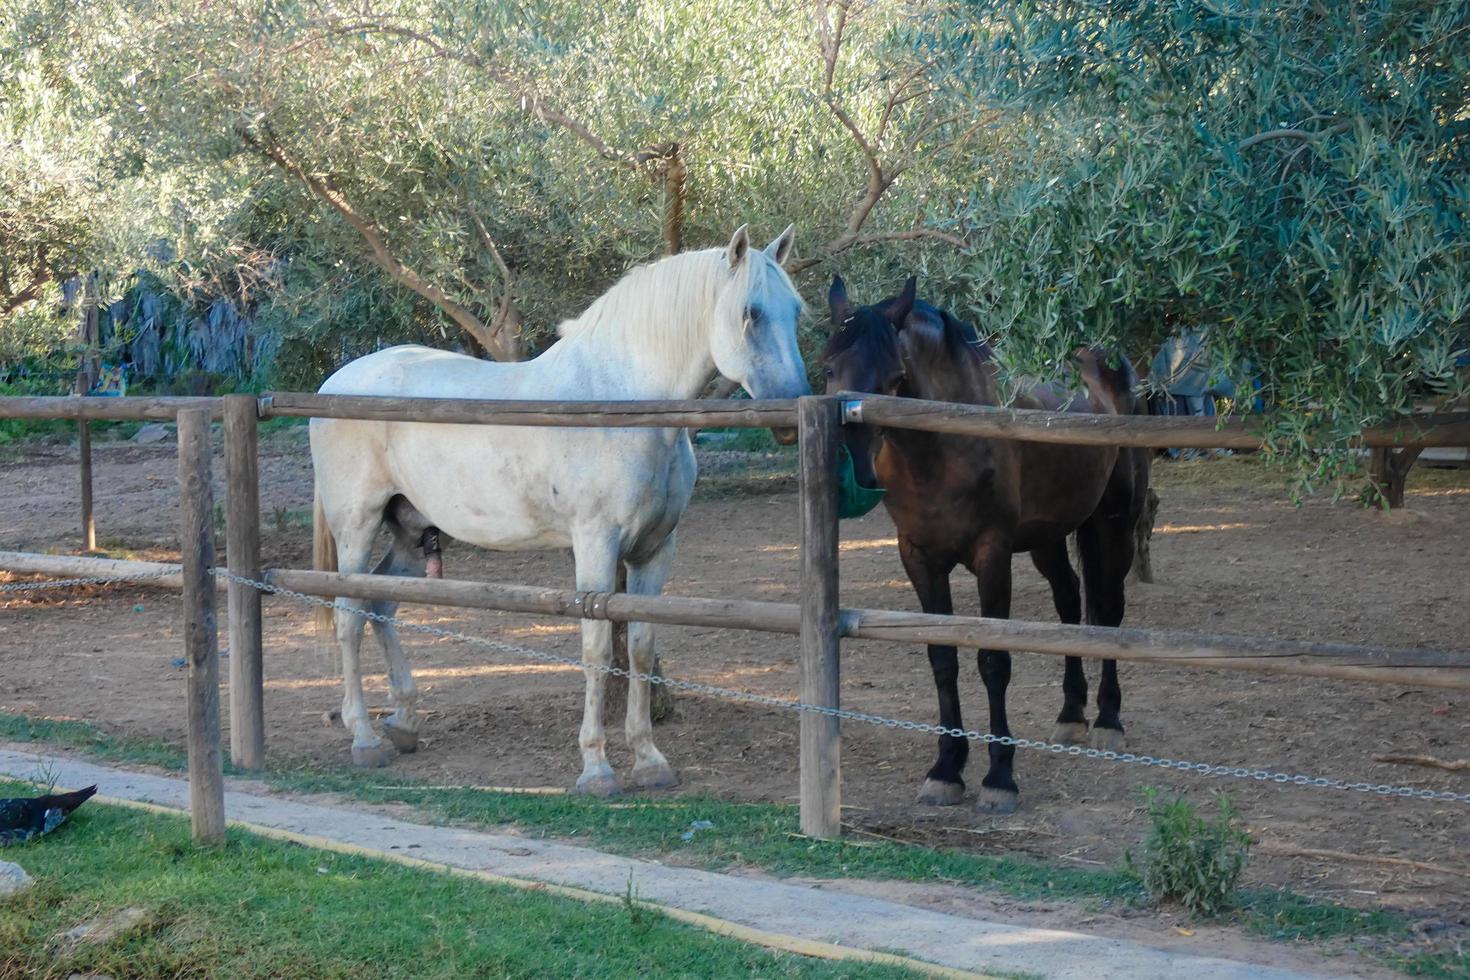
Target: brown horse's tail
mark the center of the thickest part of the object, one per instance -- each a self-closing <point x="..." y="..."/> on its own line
<point x="323" y="559"/>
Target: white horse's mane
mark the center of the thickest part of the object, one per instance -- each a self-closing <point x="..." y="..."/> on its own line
<point x="663" y="307"/>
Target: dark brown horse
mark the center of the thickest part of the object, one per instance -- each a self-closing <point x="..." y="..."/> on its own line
<point x="959" y="500"/>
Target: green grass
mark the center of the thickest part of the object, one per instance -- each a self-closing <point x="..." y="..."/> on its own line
<point x="260" y="908"/>
<point x="765" y="835"/>
<point x="94" y="742"/>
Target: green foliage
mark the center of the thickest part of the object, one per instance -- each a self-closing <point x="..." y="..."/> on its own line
<point x="1189" y="860"/>
<point x="1289" y="176"/>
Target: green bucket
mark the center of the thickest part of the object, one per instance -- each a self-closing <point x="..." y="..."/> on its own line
<point x="853" y="500"/>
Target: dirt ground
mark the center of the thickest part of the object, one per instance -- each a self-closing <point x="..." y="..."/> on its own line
<point x="1231" y="555"/>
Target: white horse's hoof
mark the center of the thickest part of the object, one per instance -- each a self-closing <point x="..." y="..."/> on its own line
<point x="997" y="801"/>
<point x="599" y="784"/>
<point x="374" y="756"/>
<point x="936" y="793"/>
<point x="1109" y="739"/>
<point x="659" y="776"/>
<point x="1070" y="733"/>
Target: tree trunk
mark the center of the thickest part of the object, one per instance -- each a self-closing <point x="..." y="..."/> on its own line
<point x="1389" y="473"/>
<point x="675" y="175"/>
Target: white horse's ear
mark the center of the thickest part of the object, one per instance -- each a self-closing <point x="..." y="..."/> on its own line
<point x="739" y="245"/>
<point x="780" y="248"/>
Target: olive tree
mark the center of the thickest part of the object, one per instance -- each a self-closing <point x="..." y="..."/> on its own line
<point x="1289" y="176"/>
<point x="474" y="173"/>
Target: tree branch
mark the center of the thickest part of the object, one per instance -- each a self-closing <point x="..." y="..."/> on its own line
<point x="506" y="323"/>
<point x="880" y="176"/>
<point x="845" y="242"/>
<point x="1293" y="134"/>
<point x="41" y="275"/>
<point x="268" y="146"/>
<point x="514" y="84"/>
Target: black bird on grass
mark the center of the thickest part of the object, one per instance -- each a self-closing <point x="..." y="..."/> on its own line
<point x="24" y="819"/>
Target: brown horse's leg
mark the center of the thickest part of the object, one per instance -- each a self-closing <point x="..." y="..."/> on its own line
<point x="998" y="790"/>
<point x="1106" y="544"/>
<point x="1052" y="562"/>
<point x="944" y="785"/>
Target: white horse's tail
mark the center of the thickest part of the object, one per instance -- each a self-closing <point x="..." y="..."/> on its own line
<point x="323" y="559"/>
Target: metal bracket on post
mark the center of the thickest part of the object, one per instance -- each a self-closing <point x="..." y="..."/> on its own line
<point x="820" y="426"/>
<point x="852" y="412"/>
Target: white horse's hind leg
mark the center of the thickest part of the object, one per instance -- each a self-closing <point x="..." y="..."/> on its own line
<point x="650" y="769"/>
<point x="597" y="571"/>
<point x="354" y="551"/>
<point x="401" y="727"/>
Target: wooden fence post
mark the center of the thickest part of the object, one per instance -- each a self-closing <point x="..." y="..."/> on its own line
<point x="201" y="644"/>
<point x="87" y="377"/>
<point x="242" y="550"/>
<point x="820" y="424"/>
<point x="89" y="522"/>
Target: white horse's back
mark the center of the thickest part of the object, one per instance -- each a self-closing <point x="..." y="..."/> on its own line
<point x="423" y="372"/>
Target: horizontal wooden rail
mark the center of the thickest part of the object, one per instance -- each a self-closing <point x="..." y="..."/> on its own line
<point x="620" y="607"/>
<point x="986" y="421"/>
<point x="128" y="409"/>
<point x="1143" y="431"/>
<point x="699" y="413"/>
<point x="1416" y="668"/>
<point x="71" y="566"/>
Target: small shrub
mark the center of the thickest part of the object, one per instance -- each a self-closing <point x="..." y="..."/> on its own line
<point x="1189" y="860"/>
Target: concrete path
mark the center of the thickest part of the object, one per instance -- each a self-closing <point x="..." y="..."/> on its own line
<point x="950" y="940"/>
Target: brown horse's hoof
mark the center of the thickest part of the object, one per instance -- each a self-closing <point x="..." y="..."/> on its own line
<point x="374" y="756"/>
<point x="603" y="785"/>
<point x="405" y="740"/>
<point x="1109" y="739"/>
<point x="1070" y="733"/>
<point x="997" y="801"/>
<point x="660" y="776"/>
<point x="936" y="793"/>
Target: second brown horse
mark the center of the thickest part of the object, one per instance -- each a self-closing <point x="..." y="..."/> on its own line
<point x="961" y="500"/>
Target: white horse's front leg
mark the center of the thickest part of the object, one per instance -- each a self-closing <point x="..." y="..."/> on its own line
<point x="650" y="769"/>
<point x="597" y="571"/>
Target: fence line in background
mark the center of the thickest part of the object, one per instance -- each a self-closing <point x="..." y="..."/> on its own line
<point x="1216" y="770"/>
<point x="818" y="619"/>
<point x="1175" y="648"/>
<point x="1072" y="428"/>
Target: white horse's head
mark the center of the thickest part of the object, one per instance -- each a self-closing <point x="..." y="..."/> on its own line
<point x="753" y="336"/>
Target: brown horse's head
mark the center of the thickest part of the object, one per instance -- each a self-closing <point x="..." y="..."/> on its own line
<point x="863" y="355"/>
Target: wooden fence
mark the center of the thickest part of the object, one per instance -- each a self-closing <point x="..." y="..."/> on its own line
<point x="818" y="619"/>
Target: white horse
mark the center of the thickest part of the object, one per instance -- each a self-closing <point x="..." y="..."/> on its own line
<point x="611" y="494"/>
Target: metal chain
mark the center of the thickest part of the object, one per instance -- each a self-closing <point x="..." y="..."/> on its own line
<point x="64" y="583"/>
<point x="1086" y="752"/>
